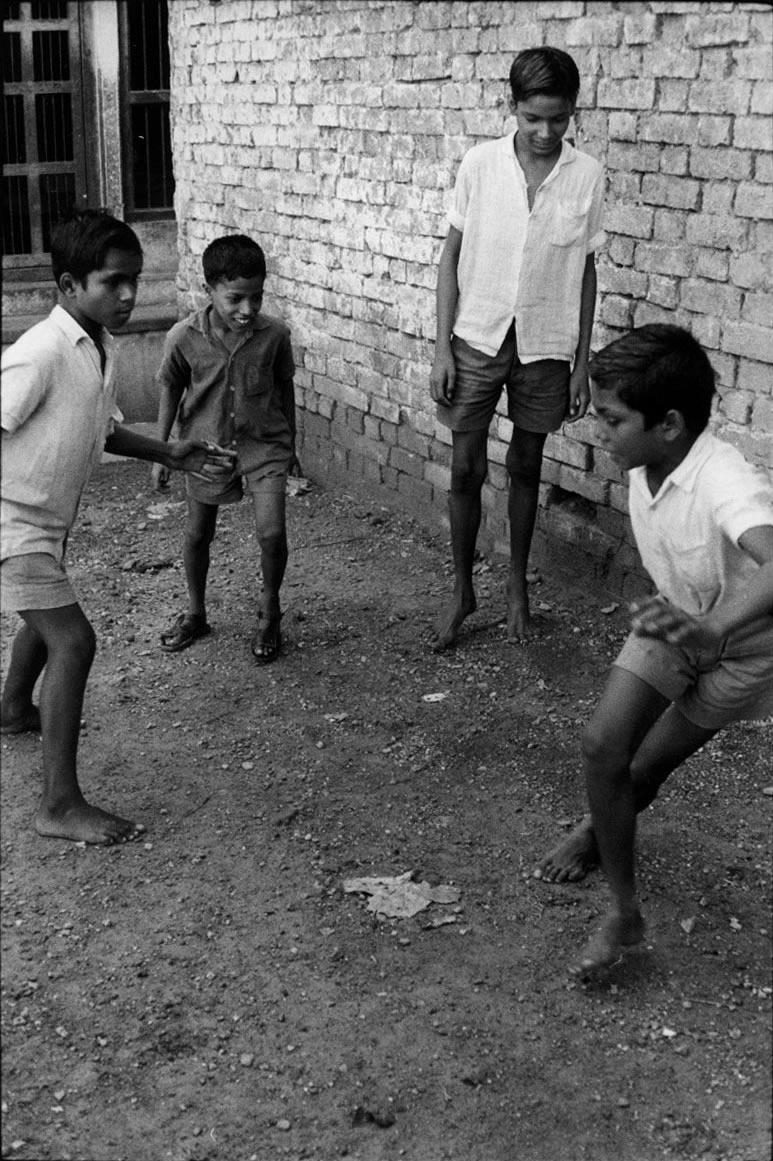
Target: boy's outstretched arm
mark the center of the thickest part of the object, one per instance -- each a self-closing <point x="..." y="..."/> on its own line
<point x="579" y="390"/>
<point x="206" y="460"/>
<point x="656" y="618"/>
<point x="443" y="373"/>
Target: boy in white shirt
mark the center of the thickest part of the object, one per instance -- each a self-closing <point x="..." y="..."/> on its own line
<point x="59" y="411"/>
<point x="516" y="296"/>
<point x="700" y="654"/>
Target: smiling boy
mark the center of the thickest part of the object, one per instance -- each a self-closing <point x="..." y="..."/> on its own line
<point x="700" y="652"/>
<point x="516" y="294"/>
<point x="226" y="376"/>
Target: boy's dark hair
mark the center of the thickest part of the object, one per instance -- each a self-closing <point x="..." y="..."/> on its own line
<point x="546" y="71"/>
<point x="655" y="369"/>
<point x="80" y="242"/>
<point x="234" y="256"/>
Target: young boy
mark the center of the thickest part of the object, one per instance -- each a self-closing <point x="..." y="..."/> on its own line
<point x="58" y="413"/>
<point x="516" y="296"/>
<point x="227" y="377"/>
<point x="700" y="654"/>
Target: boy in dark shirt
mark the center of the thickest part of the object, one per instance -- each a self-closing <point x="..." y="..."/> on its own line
<point x="227" y="377"/>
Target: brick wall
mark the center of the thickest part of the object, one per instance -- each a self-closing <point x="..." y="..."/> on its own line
<point x="331" y="130"/>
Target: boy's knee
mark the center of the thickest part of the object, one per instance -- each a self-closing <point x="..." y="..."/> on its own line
<point x="523" y="470"/>
<point x="601" y="749"/>
<point x="198" y="539"/>
<point x="81" y="644"/>
<point x="468" y="480"/>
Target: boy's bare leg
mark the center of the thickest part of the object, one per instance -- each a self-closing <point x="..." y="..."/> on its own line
<point x="28" y="656"/>
<point x="524" y="465"/>
<point x="63" y="811"/>
<point x="199" y="533"/>
<point x="272" y="536"/>
<point x="669" y="742"/>
<point x="468" y="471"/>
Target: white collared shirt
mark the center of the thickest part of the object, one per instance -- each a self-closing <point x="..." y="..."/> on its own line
<point x="521" y="264"/>
<point x="58" y="408"/>
<point x="688" y="532"/>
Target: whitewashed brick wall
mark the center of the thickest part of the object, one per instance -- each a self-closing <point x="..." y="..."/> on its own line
<point x="331" y="130"/>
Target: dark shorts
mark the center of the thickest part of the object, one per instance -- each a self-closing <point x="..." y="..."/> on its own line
<point x="267" y="479"/>
<point x="537" y="393"/>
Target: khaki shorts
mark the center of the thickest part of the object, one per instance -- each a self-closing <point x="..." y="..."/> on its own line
<point x="710" y="689"/>
<point x="34" y="581"/>
<point x="537" y="393"/>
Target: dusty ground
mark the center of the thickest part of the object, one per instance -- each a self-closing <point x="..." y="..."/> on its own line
<point x="212" y="992"/>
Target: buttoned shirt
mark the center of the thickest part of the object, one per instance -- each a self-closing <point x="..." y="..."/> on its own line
<point x="58" y="408"/>
<point x="688" y="532"/>
<point x="520" y="264"/>
<point x="241" y="398"/>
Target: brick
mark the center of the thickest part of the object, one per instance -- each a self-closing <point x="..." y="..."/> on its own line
<point x="716" y="232"/>
<point x="622" y="94"/>
<point x="633" y="221"/>
<point x="708" y="30"/>
<point x="753" y="342"/>
<point x="736" y="406"/>
<point x="753" y="133"/>
<point x="670" y="191"/>
<point x="753" y="271"/>
<point x="754" y="201"/>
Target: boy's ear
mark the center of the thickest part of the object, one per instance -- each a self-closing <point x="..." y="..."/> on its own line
<point x="673" y="425"/>
<point x="66" y="284"/>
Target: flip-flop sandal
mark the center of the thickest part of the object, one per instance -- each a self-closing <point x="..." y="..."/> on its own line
<point x="265" y="652"/>
<point x="187" y="628"/>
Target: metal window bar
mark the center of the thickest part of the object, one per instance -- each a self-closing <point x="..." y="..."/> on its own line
<point x="148" y="158"/>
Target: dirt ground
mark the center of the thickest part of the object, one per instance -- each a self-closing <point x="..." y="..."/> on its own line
<point x="213" y="992"/>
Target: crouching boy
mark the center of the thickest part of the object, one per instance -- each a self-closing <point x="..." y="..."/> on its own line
<point x="700" y="652"/>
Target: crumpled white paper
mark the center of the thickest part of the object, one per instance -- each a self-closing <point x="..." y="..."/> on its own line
<point x="398" y="896"/>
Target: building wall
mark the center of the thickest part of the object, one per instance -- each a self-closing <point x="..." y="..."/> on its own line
<point x="331" y="130"/>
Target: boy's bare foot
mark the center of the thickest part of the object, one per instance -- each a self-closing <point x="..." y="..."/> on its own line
<point x="618" y="934"/>
<point x="571" y="860"/>
<point x="28" y="721"/>
<point x="520" y="626"/>
<point x="447" y="630"/>
<point x="84" y="823"/>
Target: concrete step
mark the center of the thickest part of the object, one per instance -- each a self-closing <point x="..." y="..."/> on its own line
<point x="28" y="298"/>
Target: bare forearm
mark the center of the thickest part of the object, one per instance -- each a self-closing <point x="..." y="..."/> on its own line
<point x="587" y="311"/>
<point x="125" y="442"/>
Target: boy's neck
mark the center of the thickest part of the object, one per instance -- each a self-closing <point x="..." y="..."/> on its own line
<point x="93" y="329"/>
<point x="531" y="163"/>
<point x="658" y="473"/>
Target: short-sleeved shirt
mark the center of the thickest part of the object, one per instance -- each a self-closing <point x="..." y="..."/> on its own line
<point x="58" y="408"/>
<point x="687" y="533"/>
<point x="241" y="399"/>
<point x="524" y="265"/>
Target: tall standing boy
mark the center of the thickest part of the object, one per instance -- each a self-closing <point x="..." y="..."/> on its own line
<point x="227" y="377"/>
<point x="700" y="653"/>
<point x="516" y="296"/>
<point x="59" y="412"/>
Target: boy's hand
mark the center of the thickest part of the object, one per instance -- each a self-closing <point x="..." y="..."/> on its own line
<point x="655" y="618"/>
<point x="579" y="394"/>
<point x="160" y="476"/>
<point x="442" y="377"/>
<point x="205" y="460"/>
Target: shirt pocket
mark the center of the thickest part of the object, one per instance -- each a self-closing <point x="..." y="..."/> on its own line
<point x="569" y="223"/>
<point x="259" y="380"/>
